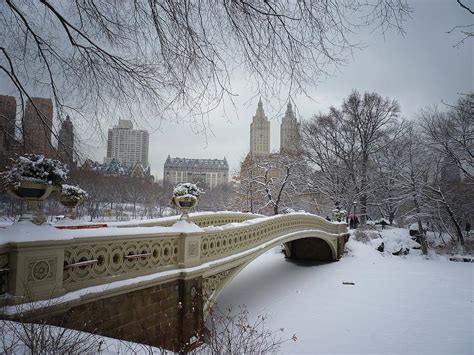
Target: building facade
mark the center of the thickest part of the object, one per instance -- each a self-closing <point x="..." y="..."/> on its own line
<point x="211" y="172"/>
<point x="7" y="121"/>
<point x="38" y="125"/>
<point x="289" y="132"/>
<point x="127" y="145"/>
<point x="66" y="141"/>
<point x="260" y="168"/>
<point x="260" y="133"/>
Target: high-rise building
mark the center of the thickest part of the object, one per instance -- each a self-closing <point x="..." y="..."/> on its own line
<point x="66" y="141"/>
<point x="38" y="123"/>
<point x="7" y="121"/>
<point x="289" y="132"/>
<point x="259" y="166"/>
<point x="127" y="145"/>
<point x="450" y="171"/>
<point x="260" y="133"/>
<point x="211" y="172"/>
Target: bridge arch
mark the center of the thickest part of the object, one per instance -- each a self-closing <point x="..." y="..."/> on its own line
<point x="215" y="282"/>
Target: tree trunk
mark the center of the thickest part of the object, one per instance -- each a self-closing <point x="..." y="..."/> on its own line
<point x="421" y="232"/>
<point x="364" y="183"/>
<point x="455" y="223"/>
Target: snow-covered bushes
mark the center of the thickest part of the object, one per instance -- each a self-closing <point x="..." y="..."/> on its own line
<point x="232" y="332"/>
<point x="366" y="235"/>
<point x="73" y="192"/>
<point x="30" y="338"/>
<point x="35" y="168"/>
<point x="187" y="189"/>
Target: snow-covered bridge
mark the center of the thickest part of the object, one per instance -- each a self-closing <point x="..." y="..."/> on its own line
<point x="154" y="283"/>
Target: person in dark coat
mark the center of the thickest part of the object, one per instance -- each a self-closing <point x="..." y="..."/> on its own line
<point x="351" y="222"/>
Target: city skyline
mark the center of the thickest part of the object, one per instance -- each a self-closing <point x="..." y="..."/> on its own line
<point x="419" y="69"/>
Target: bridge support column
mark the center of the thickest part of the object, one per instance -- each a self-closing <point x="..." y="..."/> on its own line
<point x="168" y="315"/>
<point x="35" y="272"/>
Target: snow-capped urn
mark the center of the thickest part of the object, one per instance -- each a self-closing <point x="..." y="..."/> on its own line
<point x="71" y="197"/>
<point x="186" y="196"/>
<point x="34" y="168"/>
<point x="72" y="193"/>
<point x="32" y="177"/>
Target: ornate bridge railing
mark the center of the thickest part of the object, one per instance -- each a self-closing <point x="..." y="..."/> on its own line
<point x="46" y="269"/>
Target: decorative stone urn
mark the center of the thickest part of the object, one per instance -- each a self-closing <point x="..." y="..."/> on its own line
<point x="33" y="193"/>
<point x="185" y="197"/>
<point x="185" y="204"/>
<point x="70" y="203"/>
<point x="71" y="197"/>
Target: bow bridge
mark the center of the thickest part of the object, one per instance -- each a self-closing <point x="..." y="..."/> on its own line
<point x="149" y="282"/>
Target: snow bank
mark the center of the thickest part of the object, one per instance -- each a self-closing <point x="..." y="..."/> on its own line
<point x="25" y="231"/>
<point x="186" y="227"/>
<point x="16" y="340"/>
<point x="174" y="218"/>
<point x="397" y="305"/>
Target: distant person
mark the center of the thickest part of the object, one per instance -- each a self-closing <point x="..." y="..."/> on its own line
<point x="356" y="222"/>
<point x="351" y="222"/>
<point x="328" y="218"/>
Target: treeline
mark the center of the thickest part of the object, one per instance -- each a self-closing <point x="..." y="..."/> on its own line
<point x="364" y="155"/>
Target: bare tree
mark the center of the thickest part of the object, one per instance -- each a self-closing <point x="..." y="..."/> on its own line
<point x="451" y="134"/>
<point x="274" y="184"/>
<point x="331" y="157"/>
<point x="388" y="163"/>
<point x="146" y="57"/>
<point x="232" y="332"/>
<point x="466" y="31"/>
<point x="342" y="145"/>
<point x="412" y="178"/>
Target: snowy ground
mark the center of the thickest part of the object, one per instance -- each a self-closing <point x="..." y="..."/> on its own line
<point x="397" y="305"/>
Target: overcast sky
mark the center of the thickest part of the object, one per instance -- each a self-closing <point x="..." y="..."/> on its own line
<point x="418" y="69"/>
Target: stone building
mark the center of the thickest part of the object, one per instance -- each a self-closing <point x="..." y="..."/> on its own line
<point x="127" y="145"/>
<point x="38" y="123"/>
<point x="7" y="121"/>
<point x="211" y="172"/>
<point x="260" y="164"/>
<point x="37" y="131"/>
<point x="260" y="133"/>
<point x="66" y="141"/>
<point x="289" y="132"/>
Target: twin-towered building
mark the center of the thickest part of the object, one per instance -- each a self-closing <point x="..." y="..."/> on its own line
<point x="261" y="165"/>
<point x="214" y="172"/>
<point x="260" y="133"/>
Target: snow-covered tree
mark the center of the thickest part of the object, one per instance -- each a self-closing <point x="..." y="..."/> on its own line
<point x="341" y="146"/>
<point x="451" y="135"/>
